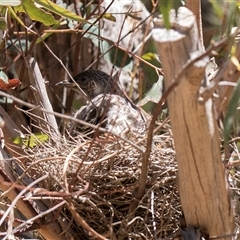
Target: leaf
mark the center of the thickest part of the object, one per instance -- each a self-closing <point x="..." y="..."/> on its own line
<point x="154" y="94"/>
<point x="11" y="84"/>
<point x="233" y="58"/>
<point x="32" y="140"/>
<point x="109" y="16"/>
<point x="235" y="62"/>
<point x="10" y="2"/>
<point x="231" y="111"/>
<point x="165" y="7"/>
<point x="134" y="16"/>
<point x="232" y="17"/>
<point x="3" y="23"/>
<point x="52" y="7"/>
<point x="217" y="8"/>
<point x="11" y="10"/>
<point x="150" y="56"/>
<point x="36" y="13"/>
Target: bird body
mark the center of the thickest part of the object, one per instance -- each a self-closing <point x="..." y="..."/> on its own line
<point x="108" y="106"/>
<point x="114" y="113"/>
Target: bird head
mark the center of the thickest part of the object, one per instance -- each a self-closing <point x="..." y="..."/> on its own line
<point x="92" y="82"/>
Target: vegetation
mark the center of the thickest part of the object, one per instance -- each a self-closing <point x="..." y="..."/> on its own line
<point x="183" y="73"/>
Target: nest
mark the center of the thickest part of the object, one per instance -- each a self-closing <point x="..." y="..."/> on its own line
<point x="99" y="180"/>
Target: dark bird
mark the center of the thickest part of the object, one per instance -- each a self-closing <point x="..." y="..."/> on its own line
<point x="108" y="104"/>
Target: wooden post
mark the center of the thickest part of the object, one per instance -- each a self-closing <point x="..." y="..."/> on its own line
<point x="202" y="186"/>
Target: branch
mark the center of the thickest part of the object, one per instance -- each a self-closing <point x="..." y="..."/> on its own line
<point x="41" y="96"/>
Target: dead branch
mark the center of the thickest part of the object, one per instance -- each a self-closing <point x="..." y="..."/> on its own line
<point x="41" y="96"/>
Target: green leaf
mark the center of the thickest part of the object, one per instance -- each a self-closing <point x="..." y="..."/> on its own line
<point x="231" y="112"/>
<point x="165" y="7"/>
<point x="217" y="8"/>
<point x="154" y="94"/>
<point x="36" y="13"/>
<point x="4" y="77"/>
<point x="150" y="56"/>
<point x="32" y="140"/>
<point x="10" y="2"/>
<point x="109" y="16"/>
<point x="235" y="62"/>
<point x="52" y="7"/>
<point x="11" y="10"/>
<point x="3" y="23"/>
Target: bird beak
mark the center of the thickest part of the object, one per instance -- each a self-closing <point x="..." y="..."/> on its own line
<point x="71" y="85"/>
<point x="65" y="83"/>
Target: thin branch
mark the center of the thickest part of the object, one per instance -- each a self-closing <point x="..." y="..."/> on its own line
<point x="83" y="223"/>
<point x="19" y="196"/>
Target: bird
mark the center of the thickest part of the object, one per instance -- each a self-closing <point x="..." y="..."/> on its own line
<point x="108" y="105"/>
<point x="94" y="82"/>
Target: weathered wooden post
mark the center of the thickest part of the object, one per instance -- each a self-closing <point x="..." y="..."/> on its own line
<point x="202" y="187"/>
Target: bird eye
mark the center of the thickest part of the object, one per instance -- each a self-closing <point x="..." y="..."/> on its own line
<point x="83" y="79"/>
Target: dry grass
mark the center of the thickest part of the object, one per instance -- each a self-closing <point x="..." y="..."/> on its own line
<point x="99" y="179"/>
<point x="93" y="183"/>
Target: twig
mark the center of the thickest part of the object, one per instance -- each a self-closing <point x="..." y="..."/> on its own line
<point x="30" y="221"/>
<point x="66" y="163"/>
<point x="82" y="222"/>
<point x="20" y="195"/>
<point x="40" y="93"/>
